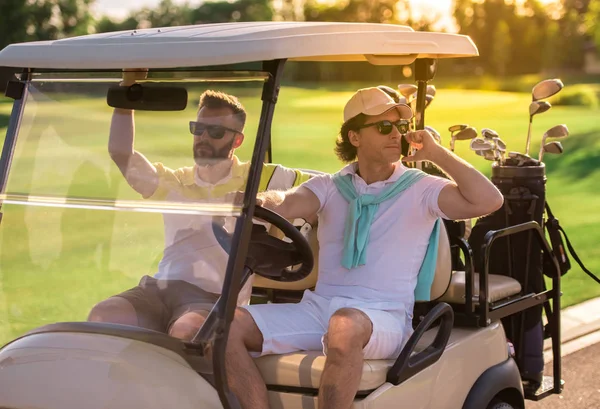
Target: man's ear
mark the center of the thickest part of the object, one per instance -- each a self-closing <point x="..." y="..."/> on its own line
<point x="354" y="138"/>
<point x="237" y="140"/>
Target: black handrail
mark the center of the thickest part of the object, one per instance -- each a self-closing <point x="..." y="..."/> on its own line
<point x="489" y="240"/>
<point x="407" y="364"/>
<point x="465" y="248"/>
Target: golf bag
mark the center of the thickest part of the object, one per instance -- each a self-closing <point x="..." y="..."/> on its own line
<point x="519" y="256"/>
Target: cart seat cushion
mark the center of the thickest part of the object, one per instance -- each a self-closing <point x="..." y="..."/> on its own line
<point x="303" y="369"/>
<point x="500" y="287"/>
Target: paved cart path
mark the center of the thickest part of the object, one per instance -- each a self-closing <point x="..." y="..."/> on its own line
<point x="581" y="373"/>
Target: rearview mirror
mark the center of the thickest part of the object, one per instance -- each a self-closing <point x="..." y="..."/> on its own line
<point x="148" y="97"/>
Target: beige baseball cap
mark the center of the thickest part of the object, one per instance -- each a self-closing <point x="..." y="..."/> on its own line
<point x="373" y="101"/>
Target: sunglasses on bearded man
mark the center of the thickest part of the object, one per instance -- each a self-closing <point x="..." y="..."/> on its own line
<point x="214" y="131"/>
<point x="385" y="127"/>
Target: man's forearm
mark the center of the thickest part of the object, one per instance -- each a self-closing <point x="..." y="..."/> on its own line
<point x="271" y="200"/>
<point x="122" y="130"/>
<point x="472" y="184"/>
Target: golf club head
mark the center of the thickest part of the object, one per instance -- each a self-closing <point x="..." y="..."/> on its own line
<point x="488" y="133"/>
<point x="465" y="134"/>
<point x="486" y="154"/>
<point x="479" y="144"/>
<point x="554" y="147"/>
<point x="538" y="107"/>
<point x="546" y="88"/>
<point x="436" y="135"/>
<point x="431" y="90"/>
<point x="428" y="100"/>
<point x="456" y="128"/>
<point x="500" y="144"/>
<point x="407" y="89"/>
<point x="391" y="92"/>
<point x="558" y="131"/>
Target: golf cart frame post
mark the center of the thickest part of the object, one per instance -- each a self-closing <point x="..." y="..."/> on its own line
<point x="235" y="273"/>
<point x="17" y="90"/>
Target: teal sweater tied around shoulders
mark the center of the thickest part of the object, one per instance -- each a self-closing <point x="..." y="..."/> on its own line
<point x="361" y="211"/>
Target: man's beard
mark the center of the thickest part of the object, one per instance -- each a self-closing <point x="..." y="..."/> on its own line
<point x="209" y="155"/>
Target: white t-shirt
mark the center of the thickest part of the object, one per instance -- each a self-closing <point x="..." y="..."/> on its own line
<point x="399" y="237"/>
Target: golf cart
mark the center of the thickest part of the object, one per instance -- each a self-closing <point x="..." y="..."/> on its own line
<point x="62" y="196"/>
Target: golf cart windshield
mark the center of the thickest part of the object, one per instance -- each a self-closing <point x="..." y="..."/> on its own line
<point x="74" y="232"/>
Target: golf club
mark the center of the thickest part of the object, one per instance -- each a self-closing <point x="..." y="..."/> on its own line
<point x="465" y="134"/>
<point x="554" y="147"/>
<point x="487" y="154"/>
<point x="428" y="100"/>
<point x="488" y="133"/>
<point x="557" y="132"/>
<point x="431" y="90"/>
<point x="407" y="89"/>
<point x="500" y="148"/>
<point x="546" y="88"/>
<point x="541" y="90"/>
<point x="536" y="107"/>
<point x="479" y="144"/>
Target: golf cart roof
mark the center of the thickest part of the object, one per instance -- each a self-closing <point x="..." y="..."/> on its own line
<point x="232" y="43"/>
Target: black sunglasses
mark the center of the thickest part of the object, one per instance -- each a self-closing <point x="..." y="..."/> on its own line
<point x="385" y="127"/>
<point x="214" y="131"/>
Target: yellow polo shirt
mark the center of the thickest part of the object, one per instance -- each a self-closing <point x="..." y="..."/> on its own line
<point x="192" y="252"/>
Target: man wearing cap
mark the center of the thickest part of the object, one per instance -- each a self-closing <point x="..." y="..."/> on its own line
<point x="378" y="225"/>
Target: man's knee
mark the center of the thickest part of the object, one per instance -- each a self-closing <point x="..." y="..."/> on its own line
<point x="349" y="330"/>
<point x="186" y="326"/>
<point x="115" y="310"/>
<point x="244" y="331"/>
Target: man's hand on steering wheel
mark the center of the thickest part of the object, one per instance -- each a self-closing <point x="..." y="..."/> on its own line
<point x="267" y="255"/>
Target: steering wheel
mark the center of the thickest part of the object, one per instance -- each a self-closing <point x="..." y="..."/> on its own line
<point x="269" y="256"/>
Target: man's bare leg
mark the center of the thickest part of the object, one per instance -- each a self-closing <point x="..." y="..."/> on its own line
<point x="116" y="310"/>
<point x="186" y="326"/>
<point x="348" y="333"/>
<point x="243" y="377"/>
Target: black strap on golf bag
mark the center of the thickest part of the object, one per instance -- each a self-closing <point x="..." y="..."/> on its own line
<point x="558" y="248"/>
<point x="554" y="230"/>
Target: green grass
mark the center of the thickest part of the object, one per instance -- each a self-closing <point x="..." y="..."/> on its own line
<point x="55" y="264"/>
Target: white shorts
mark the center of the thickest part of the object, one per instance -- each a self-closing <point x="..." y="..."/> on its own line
<point x="302" y="326"/>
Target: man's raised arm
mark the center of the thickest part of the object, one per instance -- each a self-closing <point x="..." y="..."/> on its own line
<point x="296" y="203"/>
<point x="473" y="195"/>
<point x="137" y="170"/>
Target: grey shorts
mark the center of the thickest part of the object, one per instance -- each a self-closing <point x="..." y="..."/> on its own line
<point x="159" y="303"/>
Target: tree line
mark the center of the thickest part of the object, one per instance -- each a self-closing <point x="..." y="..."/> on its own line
<point x="513" y="37"/>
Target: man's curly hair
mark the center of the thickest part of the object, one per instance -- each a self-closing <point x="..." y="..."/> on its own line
<point x="343" y="148"/>
<point x="217" y="100"/>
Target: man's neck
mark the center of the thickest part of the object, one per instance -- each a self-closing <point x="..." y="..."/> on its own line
<point x="213" y="173"/>
<point x="375" y="172"/>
